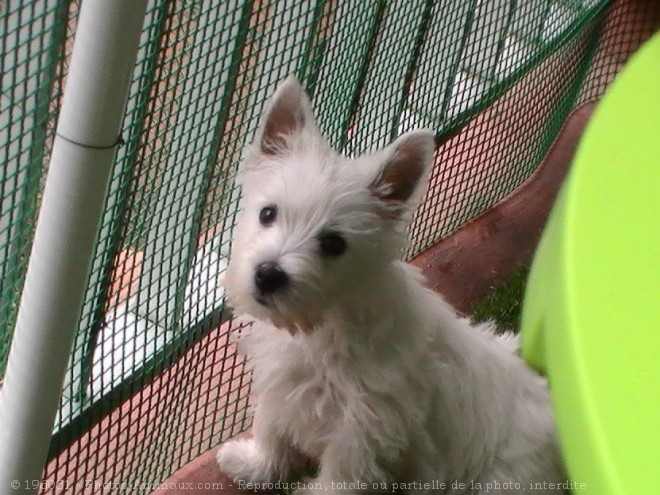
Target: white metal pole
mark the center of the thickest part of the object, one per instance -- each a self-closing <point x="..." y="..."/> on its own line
<point x="103" y="58"/>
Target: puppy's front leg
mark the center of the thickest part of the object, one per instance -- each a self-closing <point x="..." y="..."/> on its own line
<point x="351" y="464"/>
<point x="263" y="458"/>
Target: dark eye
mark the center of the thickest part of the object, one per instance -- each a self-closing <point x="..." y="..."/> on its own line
<point x="332" y="244"/>
<point x="268" y="215"/>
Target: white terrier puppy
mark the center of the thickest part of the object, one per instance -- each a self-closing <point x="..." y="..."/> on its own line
<point x="356" y="364"/>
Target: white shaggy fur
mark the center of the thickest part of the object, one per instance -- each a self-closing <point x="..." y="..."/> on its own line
<point x="356" y="364"/>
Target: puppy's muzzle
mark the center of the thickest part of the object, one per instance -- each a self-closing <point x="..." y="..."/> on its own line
<point x="269" y="277"/>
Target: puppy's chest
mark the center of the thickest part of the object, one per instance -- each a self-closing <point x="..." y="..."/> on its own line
<point x="310" y="399"/>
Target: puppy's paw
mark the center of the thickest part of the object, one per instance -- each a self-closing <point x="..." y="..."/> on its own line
<point x="242" y="460"/>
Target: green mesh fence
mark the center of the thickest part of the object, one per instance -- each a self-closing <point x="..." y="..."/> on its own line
<point x="153" y="381"/>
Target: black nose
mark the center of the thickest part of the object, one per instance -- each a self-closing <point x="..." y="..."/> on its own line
<point x="269" y="277"/>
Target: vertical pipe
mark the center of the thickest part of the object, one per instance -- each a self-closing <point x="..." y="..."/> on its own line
<point x="104" y="53"/>
<point x="115" y="216"/>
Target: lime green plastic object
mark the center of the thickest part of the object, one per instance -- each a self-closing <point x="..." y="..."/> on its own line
<point x="591" y="318"/>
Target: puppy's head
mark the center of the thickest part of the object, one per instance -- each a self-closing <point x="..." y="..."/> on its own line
<point x="316" y="228"/>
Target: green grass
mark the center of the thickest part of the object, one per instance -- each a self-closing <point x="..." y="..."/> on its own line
<point x="503" y="304"/>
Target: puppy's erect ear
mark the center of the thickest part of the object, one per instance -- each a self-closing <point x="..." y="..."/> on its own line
<point x="288" y="113"/>
<point x="404" y="168"/>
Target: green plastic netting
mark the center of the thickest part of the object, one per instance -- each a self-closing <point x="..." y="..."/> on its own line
<point x="152" y="381"/>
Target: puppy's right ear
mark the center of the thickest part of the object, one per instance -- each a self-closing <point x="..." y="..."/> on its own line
<point x="288" y="113"/>
<point x="402" y="173"/>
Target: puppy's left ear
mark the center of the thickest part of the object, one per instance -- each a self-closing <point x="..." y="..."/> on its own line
<point x="288" y="113"/>
<point x="404" y="169"/>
